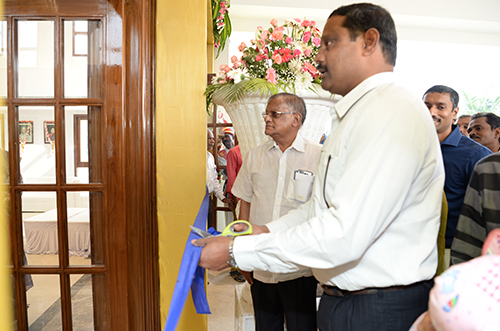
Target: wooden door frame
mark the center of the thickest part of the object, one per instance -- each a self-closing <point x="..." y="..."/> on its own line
<point x="131" y="234"/>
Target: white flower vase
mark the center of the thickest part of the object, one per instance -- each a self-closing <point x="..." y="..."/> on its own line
<point x="246" y="116"/>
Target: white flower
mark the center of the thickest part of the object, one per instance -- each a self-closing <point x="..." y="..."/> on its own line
<point x="237" y="75"/>
<point x="303" y="80"/>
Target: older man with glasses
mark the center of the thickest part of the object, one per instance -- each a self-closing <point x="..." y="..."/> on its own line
<point x="277" y="177"/>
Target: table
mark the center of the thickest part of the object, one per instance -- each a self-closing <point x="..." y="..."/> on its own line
<point x="41" y="233"/>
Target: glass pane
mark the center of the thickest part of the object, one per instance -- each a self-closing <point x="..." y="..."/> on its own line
<point x="39" y="214"/>
<point x="82" y="59"/>
<point x="85" y="226"/>
<point x="44" y="303"/>
<point x="37" y="142"/>
<point x="83" y="134"/>
<point x="35" y="42"/>
<point x="4" y="129"/>
<point x="3" y="59"/>
<point x="87" y="302"/>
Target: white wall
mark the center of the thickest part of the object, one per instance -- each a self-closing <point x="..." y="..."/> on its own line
<point x="456" y="43"/>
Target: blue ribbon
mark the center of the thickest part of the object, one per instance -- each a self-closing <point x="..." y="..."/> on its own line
<point x="190" y="274"/>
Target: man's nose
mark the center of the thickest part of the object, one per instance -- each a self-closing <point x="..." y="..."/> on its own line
<point x="433" y="110"/>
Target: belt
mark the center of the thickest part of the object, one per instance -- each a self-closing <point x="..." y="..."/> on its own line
<point x="337" y="292"/>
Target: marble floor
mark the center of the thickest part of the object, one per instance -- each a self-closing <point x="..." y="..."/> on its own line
<point x="44" y="312"/>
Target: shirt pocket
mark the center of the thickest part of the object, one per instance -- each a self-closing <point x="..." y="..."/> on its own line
<point x="300" y="186"/>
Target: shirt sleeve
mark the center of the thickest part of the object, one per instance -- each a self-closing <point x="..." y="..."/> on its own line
<point x="213" y="184"/>
<point x="232" y="169"/>
<point x="471" y="227"/>
<point x="242" y="187"/>
<point x="381" y="162"/>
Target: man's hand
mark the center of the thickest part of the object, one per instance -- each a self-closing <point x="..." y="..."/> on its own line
<point x="215" y="252"/>
<point x="257" y="229"/>
<point x="230" y="202"/>
<point x="425" y="324"/>
<point x="248" y="276"/>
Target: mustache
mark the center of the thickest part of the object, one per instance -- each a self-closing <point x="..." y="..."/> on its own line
<point x="472" y="136"/>
<point x="436" y="119"/>
<point x="321" y="67"/>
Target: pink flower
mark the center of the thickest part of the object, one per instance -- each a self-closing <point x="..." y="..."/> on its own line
<point x="241" y="47"/>
<point x="252" y="41"/>
<point x="316" y="41"/>
<point x="296" y="52"/>
<point x="289" y="40"/>
<point x="261" y="57"/>
<point x="306" y="23"/>
<point x="259" y="28"/>
<point x="296" y="20"/>
<point x="264" y="35"/>
<point x="313" y="23"/>
<point x="225" y="68"/>
<point x="271" y="75"/>
<point x="277" y="58"/>
<point x="286" y="54"/>
<point x="234" y="59"/>
<point x="310" y="68"/>
<point x="274" y="22"/>
<point x="307" y="52"/>
<point x="277" y="34"/>
<point x="307" y="36"/>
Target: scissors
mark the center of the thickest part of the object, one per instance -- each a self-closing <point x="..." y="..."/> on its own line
<point x="228" y="231"/>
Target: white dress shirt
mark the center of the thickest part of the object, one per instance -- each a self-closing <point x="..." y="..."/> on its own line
<point x="213" y="184"/>
<point x="266" y="181"/>
<point x="381" y="173"/>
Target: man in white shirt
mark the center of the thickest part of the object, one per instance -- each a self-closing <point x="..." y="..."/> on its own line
<point x="267" y="185"/>
<point x="213" y="184"/>
<point x="369" y="231"/>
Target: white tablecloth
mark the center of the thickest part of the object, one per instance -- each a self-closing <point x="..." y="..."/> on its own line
<point x="41" y="233"/>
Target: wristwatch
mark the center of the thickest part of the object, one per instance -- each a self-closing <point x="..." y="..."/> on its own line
<point x="231" y="260"/>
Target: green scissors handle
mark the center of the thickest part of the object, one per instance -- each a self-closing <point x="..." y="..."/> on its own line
<point x="230" y="232"/>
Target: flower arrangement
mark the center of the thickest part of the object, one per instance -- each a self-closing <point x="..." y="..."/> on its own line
<point x="279" y="58"/>
<point x="221" y="24"/>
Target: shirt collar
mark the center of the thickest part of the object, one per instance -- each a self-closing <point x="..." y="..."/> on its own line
<point x="343" y="106"/>
<point x="298" y="144"/>
<point x="453" y="138"/>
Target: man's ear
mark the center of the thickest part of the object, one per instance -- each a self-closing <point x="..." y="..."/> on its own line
<point x="496" y="131"/>
<point x="297" y="119"/>
<point x="455" y="113"/>
<point x="371" y="39"/>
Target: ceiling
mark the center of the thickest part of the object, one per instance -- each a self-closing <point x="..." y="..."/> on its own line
<point x="458" y="21"/>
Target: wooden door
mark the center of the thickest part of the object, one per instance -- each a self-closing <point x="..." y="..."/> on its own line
<point x="78" y="128"/>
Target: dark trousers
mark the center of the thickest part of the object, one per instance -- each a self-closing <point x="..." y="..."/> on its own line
<point x="293" y="301"/>
<point x="382" y="311"/>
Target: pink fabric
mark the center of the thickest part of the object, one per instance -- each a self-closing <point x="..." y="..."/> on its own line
<point x="467" y="295"/>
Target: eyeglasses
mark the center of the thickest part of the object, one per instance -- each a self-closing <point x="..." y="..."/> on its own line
<point x="276" y="114"/>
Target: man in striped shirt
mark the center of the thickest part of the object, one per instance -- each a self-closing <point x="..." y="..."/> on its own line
<point x="480" y="212"/>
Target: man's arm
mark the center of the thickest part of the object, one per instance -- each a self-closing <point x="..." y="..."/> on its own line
<point x="244" y="210"/>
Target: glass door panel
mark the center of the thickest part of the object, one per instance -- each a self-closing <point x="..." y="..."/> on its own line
<point x="37" y="145"/>
<point x="83" y="131"/>
<point x="82" y="59"/>
<point x="40" y="229"/>
<point x="3" y="59"/>
<point x="44" y="303"/>
<point x="35" y="59"/>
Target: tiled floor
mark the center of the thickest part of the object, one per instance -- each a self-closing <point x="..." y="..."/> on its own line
<point x="44" y="305"/>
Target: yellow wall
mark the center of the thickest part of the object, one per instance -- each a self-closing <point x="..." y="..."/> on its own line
<point x="6" y="313"/>
<point x="181" y="68"/>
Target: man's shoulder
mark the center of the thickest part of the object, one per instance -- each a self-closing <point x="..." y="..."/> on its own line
<point x="473" y="148"/>
<point x="490" y="160"/>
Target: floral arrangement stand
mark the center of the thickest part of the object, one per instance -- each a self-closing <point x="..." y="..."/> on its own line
<point x="279" y="59"/>
<point x="249" y="125"/>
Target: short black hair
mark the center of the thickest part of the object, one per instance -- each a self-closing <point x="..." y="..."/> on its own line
<point x="492" y="119"/>
<point x="294" y="102"/>
<point x="360" y="17"/>
<point x="463" y="116"/>
<point x="445" y="89"/>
